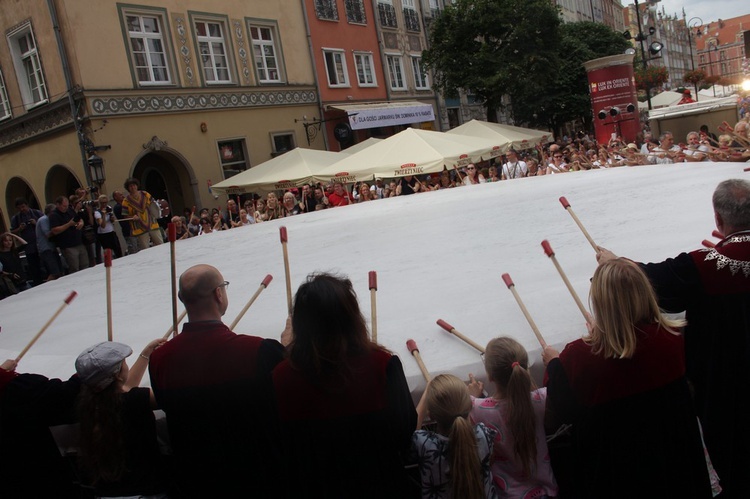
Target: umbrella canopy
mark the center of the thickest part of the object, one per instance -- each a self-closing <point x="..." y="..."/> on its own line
<point x="409" y="152"/>
<point x="362" y="145"/>
<point x="291" y="169"/>
<point x="508" y="136"/>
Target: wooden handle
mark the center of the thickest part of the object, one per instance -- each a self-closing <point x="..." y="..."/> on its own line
<point x="578" y="222"/>
<point x="708" y="244"/>
<point x="263" y="285"/>
<point x="108" y="280"/>
<point x="456" y="333"/>
<point x="528" y="317"/>
<point x="551" y="254"/>
<point x="717" y="234"/>
<point x="172" y="327"/>
<point x="66" y="302"/>
<point x="172" y="232"/>
<point x="283" y="237"/>
<point x="412" y="346"/>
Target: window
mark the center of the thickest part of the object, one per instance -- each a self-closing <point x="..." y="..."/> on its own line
<point x="4" y="103"/>
<point x="365" y="69"/>
<point x="336" y="67"/>
<point x="420" y="77"/>
<point x="232" y="155"/>
<point x="327" y="10"/>
<point x="387" y="14"/>
<point x="396" y="72"/>
<point x="282" y="142"/>
<point x="213" y="51"/>
<point x="266" y="54"/>
<point x="355" y="11"/>
<point x="28" y="67"/>
<point x="148" y="49"/>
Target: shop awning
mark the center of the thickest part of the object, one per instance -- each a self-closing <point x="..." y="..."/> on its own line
<point x="379" y="114"/>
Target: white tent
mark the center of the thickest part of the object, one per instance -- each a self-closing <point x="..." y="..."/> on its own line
<point x="409" y="152"/>
<point x="291" y="169"/>
<point x="509" y="136"/>
<point x="360" y="146"/>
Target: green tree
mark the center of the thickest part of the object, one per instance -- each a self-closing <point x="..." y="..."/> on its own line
<point x="566" y="94"/>
<point x="494" y="48"/>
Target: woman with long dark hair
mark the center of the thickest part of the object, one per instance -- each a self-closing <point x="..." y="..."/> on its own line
<point x="119" y="451"/>
<point x="343" y="405"/>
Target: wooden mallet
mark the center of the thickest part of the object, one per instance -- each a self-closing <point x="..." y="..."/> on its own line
<point x="708" y="244"/>
<point x="67" y="301"/>
<point x="173" y="328"/>
<point x="172" y="235"/>
<point x="373" y="284"/>
<point x="454" y="332"/>
<point x="412" y="346"/>
<point x="108" y="270"/>
<point x="283" y="237"/>
<point x="551" y="254"/>
<point x="512" y="287"/>
<point x="263" y="285"/>
<point x="717" y="234"/>
<point x="566" y="205"/>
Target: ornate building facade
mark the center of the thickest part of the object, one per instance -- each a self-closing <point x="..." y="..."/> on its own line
<point x="174" y="93"/>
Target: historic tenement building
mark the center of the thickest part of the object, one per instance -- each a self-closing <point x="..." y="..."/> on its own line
<point x="179" y="94"/>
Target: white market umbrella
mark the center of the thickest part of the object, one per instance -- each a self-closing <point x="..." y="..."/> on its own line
<point x="508" y="136"/>
<point x="361" y="146"/>
<point x="409" y="152"/>
<point x="291" y="169"/>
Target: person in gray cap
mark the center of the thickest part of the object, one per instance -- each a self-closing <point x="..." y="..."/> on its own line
<point x="119" y="450"/>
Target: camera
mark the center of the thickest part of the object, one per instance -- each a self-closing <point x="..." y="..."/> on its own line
<point x="93" y="189"/>
<point x="109" y="209"/>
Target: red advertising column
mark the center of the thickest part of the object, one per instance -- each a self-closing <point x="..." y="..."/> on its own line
<point x="613" y="97"/>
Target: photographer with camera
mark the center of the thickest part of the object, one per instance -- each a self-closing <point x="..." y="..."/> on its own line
<point x="66" y="229"/>
<point x="105" y="229"/>
<point x="23" y="224"/>
<point x="84" y="209"/>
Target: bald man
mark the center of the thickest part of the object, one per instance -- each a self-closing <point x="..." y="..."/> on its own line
<point x="214" y="386"/>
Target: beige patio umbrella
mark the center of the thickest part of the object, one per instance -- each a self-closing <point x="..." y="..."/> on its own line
<point x="360" y="146"/>
<point x="291" y="169"/>
<point x="409" y="152"/>
<point x="507" y="136"/>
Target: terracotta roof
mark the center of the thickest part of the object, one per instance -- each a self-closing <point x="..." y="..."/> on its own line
<point x="725" y="30"/>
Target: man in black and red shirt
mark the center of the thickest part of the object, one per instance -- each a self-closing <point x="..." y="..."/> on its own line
<point x="214" y="386"/>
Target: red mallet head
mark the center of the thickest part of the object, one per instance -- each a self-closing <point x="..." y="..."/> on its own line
<point x="266" y="281"/>
<point x="282" y="234"/>
<point x="445" y="325"/>
<point x="373" y="280"/>
<point x="171" y="232"/>
<point x="107" y="257"/>
<point x="547" y="248"/>
<point x="708" y="244"/>
<point x="507" y="280"/>
<point x="412" y="346"/>
<point x="70" y="297"/>
<point x="746" y="169"/>
<point x="564" y="202"/>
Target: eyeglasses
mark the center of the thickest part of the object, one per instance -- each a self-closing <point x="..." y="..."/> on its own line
<point x="224" y="284"/>
<point x="558" y="157"/>
<point x="470" y="168"/>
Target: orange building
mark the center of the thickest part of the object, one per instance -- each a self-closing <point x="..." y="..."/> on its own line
<point x="721" y="47"/>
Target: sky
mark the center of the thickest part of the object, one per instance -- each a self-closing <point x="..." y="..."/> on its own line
<point x="712" y="10"/>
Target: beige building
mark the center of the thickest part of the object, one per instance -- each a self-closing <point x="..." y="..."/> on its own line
<point x="179" y="94"/>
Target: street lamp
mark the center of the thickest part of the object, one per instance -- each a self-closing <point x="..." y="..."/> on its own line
<point x="694" y="23"/>
<point x="654" y="48"/>
<point x="96" y="167"/>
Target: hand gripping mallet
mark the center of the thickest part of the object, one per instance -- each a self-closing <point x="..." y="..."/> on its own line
<point x="453" y="331"/>
<point x="551" y="254"/>
<point x="512" y="287"/>
<point x="67" y="301"/>
<point x="263" y="285"/>
<point x="172" y="235"/>
<point x="412" y="346"/>
<point x="283" y="237"/>
<point x="566" y="205"/>
<point x="373" y="284"/>
<point x="108" y="270"/>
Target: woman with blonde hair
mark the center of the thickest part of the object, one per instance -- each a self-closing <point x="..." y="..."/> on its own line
<point x="454" y="462"/>
<point x="623" y="387"/>
<point x="516" y="412"/>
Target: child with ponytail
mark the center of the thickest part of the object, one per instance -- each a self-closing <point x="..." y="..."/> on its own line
<point x="455" y="461"/>
<point x="521" y="465"/>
